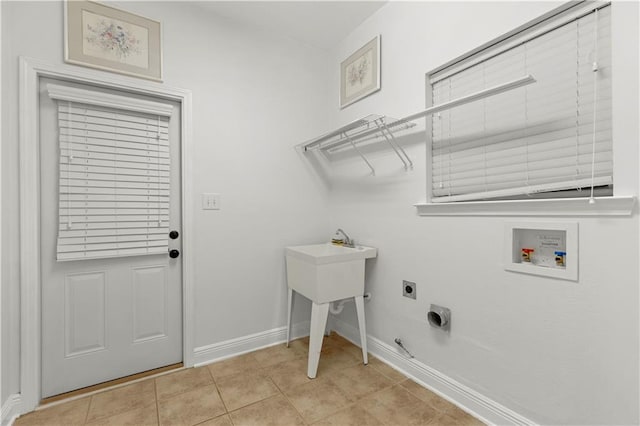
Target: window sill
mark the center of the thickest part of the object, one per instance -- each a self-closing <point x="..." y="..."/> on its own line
<point x="604" y="206"/>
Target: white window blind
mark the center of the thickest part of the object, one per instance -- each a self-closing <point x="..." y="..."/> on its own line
<point x="114" y="182"/>
<point x="553" y="135"/>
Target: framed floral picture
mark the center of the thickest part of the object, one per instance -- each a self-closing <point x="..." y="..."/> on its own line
<point x="103" y="37"/>
<point x="360" y="73"/>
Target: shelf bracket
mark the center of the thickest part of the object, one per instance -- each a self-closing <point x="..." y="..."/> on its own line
<point x="391" y="140"/>
<point x="373" y="171"/>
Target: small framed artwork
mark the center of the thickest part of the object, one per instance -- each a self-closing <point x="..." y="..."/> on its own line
<point x="360" y="73"/>
<point x="110" y="39"/>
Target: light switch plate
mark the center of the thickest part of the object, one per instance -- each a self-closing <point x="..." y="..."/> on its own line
<point x="210" y="201"/>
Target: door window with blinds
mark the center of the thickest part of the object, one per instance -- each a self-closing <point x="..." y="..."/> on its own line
<point x="548" y="139"/>
<point x="114" y="177"/>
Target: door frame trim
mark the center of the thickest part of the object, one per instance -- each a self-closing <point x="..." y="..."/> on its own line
<point x="31" y="70"/>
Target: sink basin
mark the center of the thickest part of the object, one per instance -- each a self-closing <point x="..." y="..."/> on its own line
<point x="320" y="254"/>
<point x="326" y="272"/>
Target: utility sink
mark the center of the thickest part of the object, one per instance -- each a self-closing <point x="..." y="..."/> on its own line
<point x="327" y="272"/>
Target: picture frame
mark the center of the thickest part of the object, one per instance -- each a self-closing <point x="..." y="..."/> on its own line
<point x="110" y="39"/>
<point x="360" y="73"/>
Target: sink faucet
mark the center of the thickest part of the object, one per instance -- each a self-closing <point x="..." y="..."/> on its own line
<point x="348" y="242"/>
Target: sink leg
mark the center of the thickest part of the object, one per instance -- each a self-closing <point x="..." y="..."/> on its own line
<point x="363" y="332"/>
<point x="319" y="314"/>
<point x="289" y="312"/>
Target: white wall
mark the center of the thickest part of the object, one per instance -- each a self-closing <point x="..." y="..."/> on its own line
<point x="9" y="342"/>
<point x="254" y="97"/>
<point x="556" y="352"/>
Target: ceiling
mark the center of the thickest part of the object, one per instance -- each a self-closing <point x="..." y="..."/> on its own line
<point x="319" y="23"/>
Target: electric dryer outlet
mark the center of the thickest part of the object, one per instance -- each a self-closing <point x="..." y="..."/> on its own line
<point x="409" y="289"/>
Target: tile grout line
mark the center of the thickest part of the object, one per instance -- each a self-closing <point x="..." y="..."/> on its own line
<point x="287" y="398"/>
<point x="352" y="404"/>
<point x="439" y="413"/>
<point x="215" y="384"/>
<point x="302" y="356"/>
<point x="155" y="388"/>
<point x="262" y="370"/>
<point x="103" y="417"/>
<point x="86" y="415"/>
<point x="258" y="401"/>
<point x="294" y="407"/>
<point x="284" y="395"/>
<point x="226" y="412"/>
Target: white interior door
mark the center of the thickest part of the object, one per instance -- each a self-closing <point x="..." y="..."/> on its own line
<point x="104" y="319"/>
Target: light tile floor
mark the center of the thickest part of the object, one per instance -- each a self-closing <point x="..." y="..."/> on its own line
<point x="266" y="387"/>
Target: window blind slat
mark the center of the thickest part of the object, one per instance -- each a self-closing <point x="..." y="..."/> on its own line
<point x="561" y="172"/>
<point x="107" y="145"/>
<point x="109" y="246"/>
<point x="545" y="167"/>
<point x="80" y="163"/>
<point x="128" y="204"/>
<point x="121" y="192"/>
<point x="564" y="179"/>
<point x="448" y="168"/>
<point x="113" y="198"/>
<point x="111" y="136"/>
<point x="102" y="254"/>
<point x="110" y="232"/>
<point x="104" y="112"/>
<point x="466" y="146"/>
<point x="91" y="240"/>
<point x="90" y="183"/>
<point x="82" y="155"/>
<point x="76" y="117"/>
<point x="76" y="126"/>
<point x="104" y="223"/>
<point x="525" y="189"/>
<point x="123" y="170"/>
<point x="80" y="176"/>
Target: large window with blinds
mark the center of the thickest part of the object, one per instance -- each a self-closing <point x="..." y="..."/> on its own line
<point x="114" y="180"/>
<point x="545" y="140"/>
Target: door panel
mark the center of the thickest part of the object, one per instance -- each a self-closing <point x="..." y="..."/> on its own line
<point x="150" y="292"/>
<point x="84" y="305"/>
<point x="104" y="319"/>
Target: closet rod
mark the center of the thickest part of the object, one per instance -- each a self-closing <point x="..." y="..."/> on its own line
<point x="485" y="93"/>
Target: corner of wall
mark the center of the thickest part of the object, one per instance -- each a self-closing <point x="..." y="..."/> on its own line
<point x="229" y="348"/>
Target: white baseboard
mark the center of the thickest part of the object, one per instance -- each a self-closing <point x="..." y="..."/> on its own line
<point x="10" y="409"/>
<point x="461" y="395"/>
<point x="229" y="348"/>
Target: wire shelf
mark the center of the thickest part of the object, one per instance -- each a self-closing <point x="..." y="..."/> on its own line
<point x="368" y="128"/>
<point x="357" y="130"/>
<point x="382" y="127"/>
